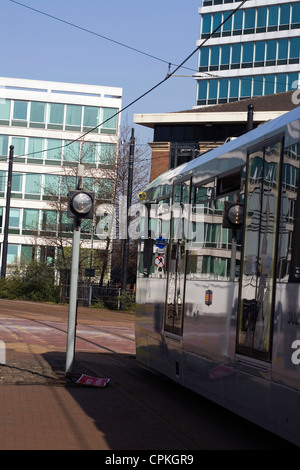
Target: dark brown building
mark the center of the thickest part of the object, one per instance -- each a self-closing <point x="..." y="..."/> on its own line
<point x="184" y="135"/>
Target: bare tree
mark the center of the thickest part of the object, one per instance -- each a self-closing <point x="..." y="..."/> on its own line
<point x="109" y="182"/>
<point x="141" y="174"/>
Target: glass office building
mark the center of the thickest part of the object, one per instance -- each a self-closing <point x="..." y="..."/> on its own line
<point x="53" y="126"/>
<point x="254" y="53"/>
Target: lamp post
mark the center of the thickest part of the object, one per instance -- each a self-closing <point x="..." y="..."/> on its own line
<point x="129" y="197"/>
<point x="80" y="206"/>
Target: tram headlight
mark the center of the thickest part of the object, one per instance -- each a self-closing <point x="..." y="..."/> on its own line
<point x="233" y="215"/>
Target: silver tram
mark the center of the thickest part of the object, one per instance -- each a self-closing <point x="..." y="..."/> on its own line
<point x="218" y="284"/>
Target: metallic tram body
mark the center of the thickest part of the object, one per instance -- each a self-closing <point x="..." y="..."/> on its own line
<point x="218" y="295"/>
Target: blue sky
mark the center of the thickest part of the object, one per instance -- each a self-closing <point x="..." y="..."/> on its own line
<point x="38" y="47"/>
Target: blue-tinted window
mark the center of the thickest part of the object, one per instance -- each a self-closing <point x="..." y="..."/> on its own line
<point x="73" y="116"/>
<point x="213" y="89"/>
<point x="273" y="16"/>
<point x="109" y="118"/>
<point x="107" y="153"/>
<point x="37" y="112"/>
<point x="72" y="151"/>
<point x="223" y="88"/>
<point x="16" y="182"/>
<point x="202" y="89"/>
<point x="51" y="185"/>
<point x="30" y="219"/>
<point x="285" y="14"/>
<point x="238" y="20"/>
<point x="12" y="254"/>
<point x="271" y="50"/>
<point x="14" y="218"/>
<point x="2" y="187"/>
<point x="89" y="152"/>
<point x="269" y="84"/>
<point x="234" y="87"/>
<point x="296" y="13"/>
<point x="35" y="147"/>
<point x="261" y="17"/>
<point x="236" y="54"/>
<point x="214" y="55"/>
<point x="227" y="26"/>
<point x="282" y="49"/>
<point x="33" y="183"/>
<point x="3" y="145"/>
<point x="248" y="52"/>
<point x="56" y="113"/>
<point x="246" y="83"/>
<point x="281" y="83"/>
<point x="225" y="54"/>
<point x="217" y="20"/>
<point x="4" y="111"/>
<point x="294" y="48"/>
<point x="206" y="21"/>
<point x="54" y="149"/>
<point x="293" y="80"/>
<point x="20" y="110"/>
<point x="258" y="81"/>
<point x="249" y="19"/>
<point x="91" y="116"/>
<point x="260" y="51"/>
<point x="204" y="52"/>
<point x="19" y="145"/>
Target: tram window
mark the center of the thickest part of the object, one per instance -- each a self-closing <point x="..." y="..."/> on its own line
<point x="159" y="219"/>
<point x="229" y="184"/>
<point x="288" y="247"/>
<point x="210" y="252"/>
<point x="205" y="192"/>
<point x="145" y="257"/>
<point x="155" y="243"/>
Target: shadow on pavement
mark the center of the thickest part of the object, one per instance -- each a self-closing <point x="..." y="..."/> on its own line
<point x="140" y="410"/>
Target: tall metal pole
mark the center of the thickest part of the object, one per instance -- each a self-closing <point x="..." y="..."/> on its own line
<point x="249" y="125"/>
<point x="72" y="318"/>
<point x="7" y="210"/>
<point x="129" y="197"/>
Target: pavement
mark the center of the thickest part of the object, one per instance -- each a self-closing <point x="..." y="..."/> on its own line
<point x="42" y="408"/>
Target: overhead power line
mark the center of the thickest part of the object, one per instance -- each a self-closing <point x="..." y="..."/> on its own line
<point x="150" y="90"/>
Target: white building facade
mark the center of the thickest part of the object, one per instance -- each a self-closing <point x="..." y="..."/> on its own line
<point x="53" y="127"/>
<point x="254" y="53"/>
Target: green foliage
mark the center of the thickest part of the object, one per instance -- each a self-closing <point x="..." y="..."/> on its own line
<point x="125" y="302"/>
<point x="34" y="281"/>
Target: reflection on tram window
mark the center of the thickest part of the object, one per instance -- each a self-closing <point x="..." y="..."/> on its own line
<point x="210" y="254"/>
<point x="259" y="253"/>
<point x="289" y="247"/>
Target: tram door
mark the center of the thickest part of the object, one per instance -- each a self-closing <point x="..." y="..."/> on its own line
<point x="259" y="256"/>
<point x="177" y="258"/>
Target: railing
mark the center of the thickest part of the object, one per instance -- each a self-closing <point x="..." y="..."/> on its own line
<point x="111" y="298"/>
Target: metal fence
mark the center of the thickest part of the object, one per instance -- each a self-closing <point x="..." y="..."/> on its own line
<point x="111" y="298"/>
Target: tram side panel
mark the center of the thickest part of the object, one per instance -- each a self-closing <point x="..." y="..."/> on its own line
<point x="209" y="339"/>
<point x="150" y="308"/>
<point x="286" y="336"/>
<point x="210" y="319"/>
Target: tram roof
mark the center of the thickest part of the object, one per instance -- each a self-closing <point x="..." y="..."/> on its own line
<point x="229" y="155"/>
